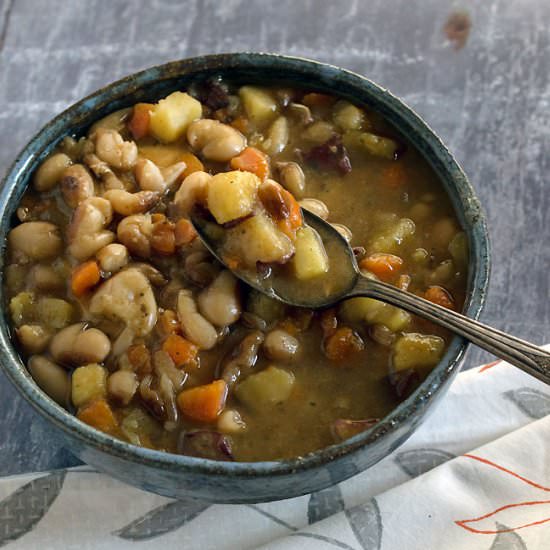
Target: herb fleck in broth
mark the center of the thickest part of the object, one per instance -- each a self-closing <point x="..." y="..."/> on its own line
<point x="171" y="352"/>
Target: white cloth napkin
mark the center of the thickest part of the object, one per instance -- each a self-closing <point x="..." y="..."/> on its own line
<point x="475" y="475"/>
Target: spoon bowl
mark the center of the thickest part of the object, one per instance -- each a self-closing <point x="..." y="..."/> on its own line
<point x="317" y="293"/>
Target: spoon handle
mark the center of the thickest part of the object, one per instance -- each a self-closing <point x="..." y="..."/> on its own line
<point x="526" y="356"/>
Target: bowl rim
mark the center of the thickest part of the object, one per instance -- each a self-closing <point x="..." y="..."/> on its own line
<point x="17" y="373"/>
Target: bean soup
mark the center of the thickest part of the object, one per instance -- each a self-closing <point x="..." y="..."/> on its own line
<point x="123" y="317"/>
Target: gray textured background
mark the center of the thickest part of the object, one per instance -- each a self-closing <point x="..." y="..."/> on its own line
<point x="490" y="102"/>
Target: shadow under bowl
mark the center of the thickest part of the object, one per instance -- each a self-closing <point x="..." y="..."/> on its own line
<point x="232" y="482"/>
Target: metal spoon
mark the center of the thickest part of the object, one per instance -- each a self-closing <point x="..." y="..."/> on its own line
<point x="348" y="282"/>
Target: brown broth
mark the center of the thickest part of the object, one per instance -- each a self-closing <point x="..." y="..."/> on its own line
<point x="324" y="390"/>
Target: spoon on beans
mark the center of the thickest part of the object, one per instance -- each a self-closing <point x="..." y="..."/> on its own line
<point x="344" y="280"/>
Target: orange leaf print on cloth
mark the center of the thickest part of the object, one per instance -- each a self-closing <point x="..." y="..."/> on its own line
<point x="509" y="517"/>
<point x="485" y="525"/>
<point x="488" y="366"/>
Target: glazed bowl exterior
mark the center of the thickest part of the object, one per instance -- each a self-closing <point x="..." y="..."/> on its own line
<point x="232" y="482"/>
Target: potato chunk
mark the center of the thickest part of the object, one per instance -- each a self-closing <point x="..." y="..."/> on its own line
<point x="171" y="116"/>
<point x="311" y="259"/>
<point x="267" y="388"/>
<point x="257" y="239"/>
<point x="22" y="308"/>
<point x="377" y="146"/>
<point x="417" y="350"/>
<point x="347" y="116"/>
<point x="259" y="105"/>
<point x="231" y="195"/>
<point x="458" y="248"/>
<point x="374" y="312"/>
<point x="88" y="383"/>
<point x="390" y="241"/>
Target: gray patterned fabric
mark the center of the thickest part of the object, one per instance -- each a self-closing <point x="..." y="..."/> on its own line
<point x="474" y="476"/>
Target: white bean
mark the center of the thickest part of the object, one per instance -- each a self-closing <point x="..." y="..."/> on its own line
<point x="315" y="206"/>
<point x="230" y="422"/>
<point x="280" y="345"/>
<point x="113" y="257"/>
<point x="220" y="303"/>
<point x="86" y="232"/>
<point x="200" y="331"/>
<point x="128" y="204"/>
<point x="122" y="386"/>
<point x="193" y="190"/>
<point x="152" y="178"/>
<point x="76" y="345"/>
<point x="215" y="140"/>
<point x="343" y="230"/>
<point x="148" y="176"/>
<point x="277" y="137"/>
<point x="51" y="378"/>
<point x="34" y="338"/>
<point x="76" y="185"/>
<point x="37" y="240"/>
<point x="135" y="233"/>
<point x="292" y="178"/>
<point x="50" y="172"/>
<point x="111" y="148"/>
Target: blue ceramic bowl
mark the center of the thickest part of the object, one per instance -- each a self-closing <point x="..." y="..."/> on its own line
<point x="182" y="476"/>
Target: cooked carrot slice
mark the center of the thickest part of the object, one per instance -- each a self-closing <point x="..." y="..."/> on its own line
<point x="181" y="350"/>
<point x="99" y="415"/>
<point x="438" y="295"/>
<point x="192" y="164"/>
<point x="184" y="232"/>
<point x="315" y="99"/>
<point x="140" y="120"/>
<point x="252" y="160"/>
<point x="203" y="403"/>
<point x="84" y="277"/>
<point x="342" y="343"/>
<point x="384" y="266"/>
